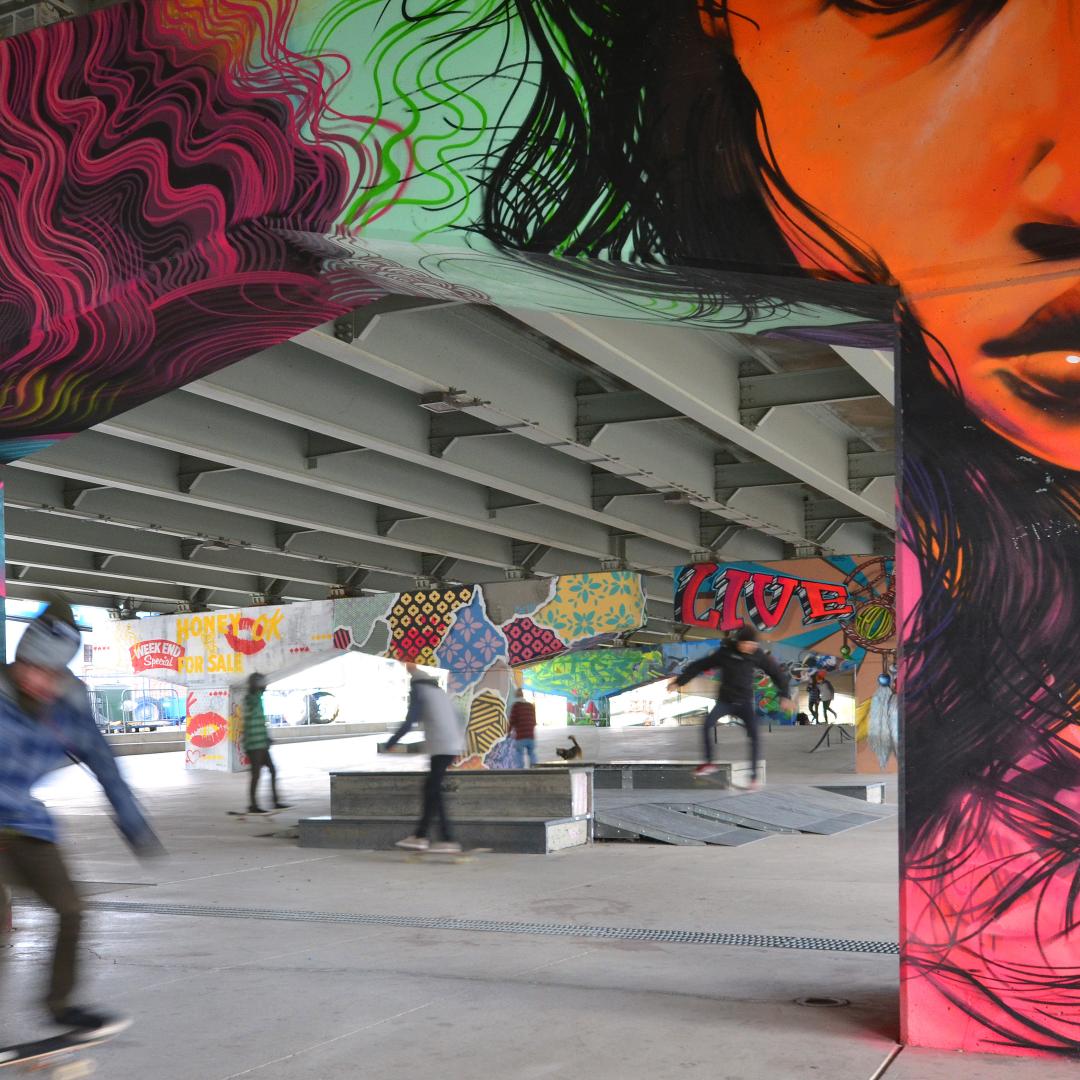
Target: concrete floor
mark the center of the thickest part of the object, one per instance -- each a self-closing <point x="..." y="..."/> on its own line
<point x="221" y="998"/>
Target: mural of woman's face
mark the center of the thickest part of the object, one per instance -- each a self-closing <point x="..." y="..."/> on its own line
<point x="954" y="158"/>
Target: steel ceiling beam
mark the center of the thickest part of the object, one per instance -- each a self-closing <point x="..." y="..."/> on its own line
<point x="110" y="461"/>
<point x="295" y="386"/>
<point x="695" y="372"/>
<point x="815" y="386"/>
<point x="273" y="450"/>
<point x="527" y="388"/>
<point x="876" y="366"/>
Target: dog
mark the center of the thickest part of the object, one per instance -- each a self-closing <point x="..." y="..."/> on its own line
<point x="569" y="753"/>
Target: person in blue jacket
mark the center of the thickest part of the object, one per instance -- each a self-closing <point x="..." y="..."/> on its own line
<point x="46" y="722"/>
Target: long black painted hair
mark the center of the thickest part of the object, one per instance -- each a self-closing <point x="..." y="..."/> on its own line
<point x="649" y="153"/>
<point x="618" y="160"/>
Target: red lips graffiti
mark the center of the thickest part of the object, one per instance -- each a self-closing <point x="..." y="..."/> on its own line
<point x="245" y="637"/>
<point x="205" y="729"/>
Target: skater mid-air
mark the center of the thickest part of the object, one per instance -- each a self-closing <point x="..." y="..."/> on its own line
<point x="736" y="660"/>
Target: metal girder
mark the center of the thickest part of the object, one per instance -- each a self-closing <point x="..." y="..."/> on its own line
<point x="190" y="470"/>
<point x="229" y="537"/>
<point x="814" y="386"/>
<point x="866" y="466"/>
<point x="596" y="411"/>
<point x="527" y="556"/>
<point x="66" y="581"/>
<point x="740" y="474"/>
<point x="696" y="372"/>
<point x="132" y="568"/>
<point x="531" y="391"/>
<point x="272" y="450"/>
<point x="437" y="568"/>
<point x="321" y="446"/>
<point x="316" y="389"/>
<point x="110" y="461"/>
<point x="876" y="366"/>
<point x="444" y="429"/>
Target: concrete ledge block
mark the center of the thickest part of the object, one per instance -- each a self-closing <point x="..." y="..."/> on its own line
<point x="526" y="836"/>
<point x="491" y="794"/>
<point x="871" y="793"/>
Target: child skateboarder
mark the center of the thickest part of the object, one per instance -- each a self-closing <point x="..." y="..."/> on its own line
<point x="45" y="723"/>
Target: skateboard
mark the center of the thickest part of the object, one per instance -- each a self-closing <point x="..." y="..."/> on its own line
<point x="62" y="1056"/>
<point x="264" y="815"/>
<point x="463" y="856"/>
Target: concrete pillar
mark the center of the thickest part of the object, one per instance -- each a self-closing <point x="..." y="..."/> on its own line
<point x="214" y="730"/>
<point x="989" y="586"/>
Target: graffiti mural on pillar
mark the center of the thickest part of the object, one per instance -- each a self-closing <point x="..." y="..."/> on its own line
<point x="474" y="632"/>
<point x="843" y="608"/>
<point x="193" y="182"/>
<point x="595" y="674"/>
<point x="478" y="634"/>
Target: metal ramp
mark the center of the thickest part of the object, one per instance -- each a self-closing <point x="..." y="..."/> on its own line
<point x="700" y="817"/>
<point x="659" y="822"/>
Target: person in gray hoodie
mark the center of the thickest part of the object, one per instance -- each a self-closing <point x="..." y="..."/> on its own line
<point x="431" y="708"/>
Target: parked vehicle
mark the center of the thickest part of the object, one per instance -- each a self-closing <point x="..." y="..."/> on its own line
<point x="122" y="709"/>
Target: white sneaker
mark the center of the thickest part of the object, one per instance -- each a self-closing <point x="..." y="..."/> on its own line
<point x="447" y="847"/>
<point x="413" y="843"/>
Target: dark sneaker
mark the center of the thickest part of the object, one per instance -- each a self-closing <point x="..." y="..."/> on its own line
<point x="283" y="806"/>
<point x="89" y="1024"/>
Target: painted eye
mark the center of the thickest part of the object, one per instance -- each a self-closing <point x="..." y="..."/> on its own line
<point x="966" y="16"/>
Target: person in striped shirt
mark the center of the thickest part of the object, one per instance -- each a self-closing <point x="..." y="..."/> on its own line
<point x="257" y="744"/>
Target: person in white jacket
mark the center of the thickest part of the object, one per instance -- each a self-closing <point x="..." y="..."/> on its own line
<point x="431" y="708"/>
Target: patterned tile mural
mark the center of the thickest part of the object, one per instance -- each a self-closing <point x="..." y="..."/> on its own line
<point x="477" y="633"/>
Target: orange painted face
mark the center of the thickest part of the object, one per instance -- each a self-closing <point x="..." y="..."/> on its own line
<point x="954" y="159"/>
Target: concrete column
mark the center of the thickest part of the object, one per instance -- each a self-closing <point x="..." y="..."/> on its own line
<point x="989" y="587"/>
<point x="214" y="730"/>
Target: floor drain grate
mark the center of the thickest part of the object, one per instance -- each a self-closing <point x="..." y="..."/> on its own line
<point x="492" y="926"/>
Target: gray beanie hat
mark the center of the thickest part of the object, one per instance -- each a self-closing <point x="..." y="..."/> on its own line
<point x="48" y="642"/>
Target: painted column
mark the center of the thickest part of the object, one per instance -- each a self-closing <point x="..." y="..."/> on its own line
<point x="990" y="759"/>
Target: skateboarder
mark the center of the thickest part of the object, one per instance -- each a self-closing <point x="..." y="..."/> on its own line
<point x="45" y="723"/>
<point x="257" y="744"/>
<point x="430" y="707"/>
<point x="736" y="660"/>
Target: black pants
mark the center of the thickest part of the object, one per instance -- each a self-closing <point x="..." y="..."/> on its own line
<point x="38" y="865"/>
<point x="434" y="803"/>
<point x="744" y="710"/>
<point x="826" y="708"/>
<point x="261" y="759"/>
<point x="814" y="706"/>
